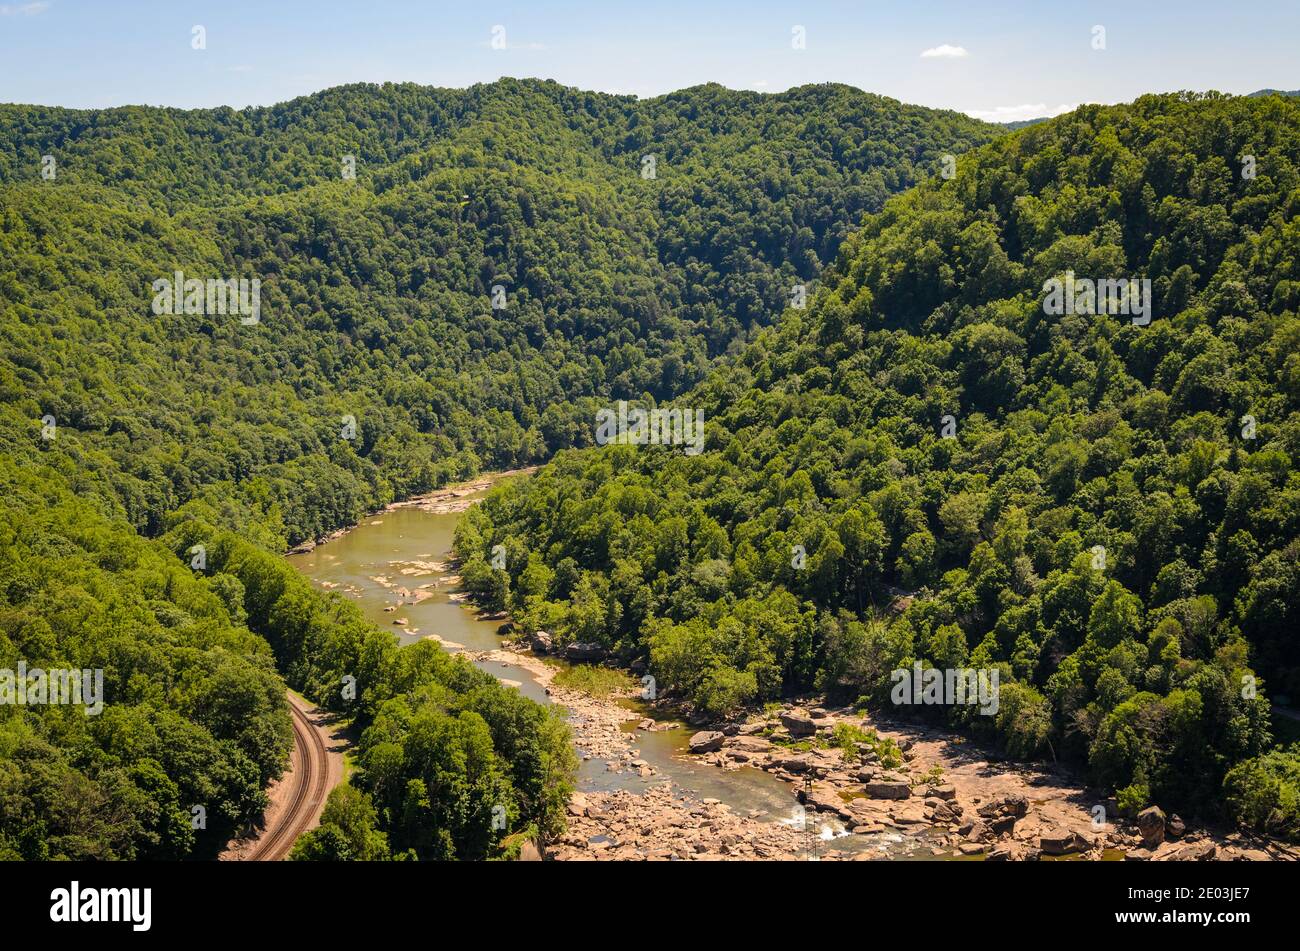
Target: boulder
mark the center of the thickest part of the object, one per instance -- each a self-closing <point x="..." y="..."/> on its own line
<point x="1003" y="825"/>
<point x="1199" y="852"/>
<point x="884" y="789"/>
<point x="940" y="810"/>
<point x="587" y="651"/>
<point x="799" y="724"/>
<point x="1013" y="852"/>
<point x="867" y="753"/>
<point x="707" y="741"/>
<point x="1001" y="813"/>
<point x="973" y="830"/>
<point x="1175" y="827"/>
<point x="1062" y="842"/>
<point x="1151" y="823"/>
<point x="792" y="764"/>
<point x="1013" y="805"/>
<point x="541" y="643"/>
<point x="945" y="791"/>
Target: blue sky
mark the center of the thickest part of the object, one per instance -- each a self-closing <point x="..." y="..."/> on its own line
<point x="998" y="60"/>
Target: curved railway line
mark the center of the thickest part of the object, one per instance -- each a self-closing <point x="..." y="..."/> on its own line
<point x="311" y="784"/>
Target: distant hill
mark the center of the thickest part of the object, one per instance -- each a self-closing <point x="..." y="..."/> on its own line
<point x="620" y="279"/>
<point x="1022" y="123"/>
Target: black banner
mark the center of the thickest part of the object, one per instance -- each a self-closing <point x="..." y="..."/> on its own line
<point x="136" y="902"/>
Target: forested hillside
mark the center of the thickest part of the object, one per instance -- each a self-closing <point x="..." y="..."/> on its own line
<point x="377" y="367"/>
<point x="376" y="297"/>
<point x="1114" y="523"/>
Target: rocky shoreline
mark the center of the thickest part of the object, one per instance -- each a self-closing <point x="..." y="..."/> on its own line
<point x="455" y="498"/>
<point x="659" y="823"/>
<point x="926" y="782"/>
<point x="904" y="789"/>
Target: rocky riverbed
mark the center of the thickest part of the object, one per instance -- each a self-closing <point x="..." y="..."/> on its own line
<point x="898" y="789"/>
<point x="456" y="498"/>
<point x="933" y="785"/>
<point x="660" y="822"/>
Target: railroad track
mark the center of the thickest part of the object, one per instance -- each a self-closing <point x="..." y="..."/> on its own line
<point x="310" y="779"/>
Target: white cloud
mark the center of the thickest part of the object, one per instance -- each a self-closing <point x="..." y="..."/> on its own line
<point x="944" y="51"/>
<point x="23" y="9"/>
<point x="1029" y="110"/>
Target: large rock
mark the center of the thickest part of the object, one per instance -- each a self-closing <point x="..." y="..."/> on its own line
<point x="1013" y="852"/>
<point x="708" y="741"/>
<point x="884" y="789"/>
<point x="799" y="724"/>
<point x="1013" y="805"/>
<point x="828" y="800"/>
<point x="1002" y="813"/>
<point x="791" y="764"/>
<point x="1062" y="842"/>
<point x="941" y="810"/>
<point x="584" y="652"/>
<point x="1151" y="823"/>
<point x="542" y="643"/>
<point x="1175" y="827"/>
<point x="973" y="829"/>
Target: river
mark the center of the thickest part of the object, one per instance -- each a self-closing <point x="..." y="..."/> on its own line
<point x="396" y="566"/>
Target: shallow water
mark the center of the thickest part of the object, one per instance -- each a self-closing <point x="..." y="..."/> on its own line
<point x="393" y="558"/>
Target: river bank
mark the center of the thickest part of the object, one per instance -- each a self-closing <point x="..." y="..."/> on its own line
<point x="895" y="790"/>
<point x="659" y="821"/>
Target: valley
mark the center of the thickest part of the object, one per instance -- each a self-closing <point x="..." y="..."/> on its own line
<point x="907" y="452"/>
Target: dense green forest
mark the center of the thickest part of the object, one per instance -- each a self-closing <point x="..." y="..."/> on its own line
<point x="376" y="294"/>
<point x="925" y="465"/>
<point x="378" y="367"/>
